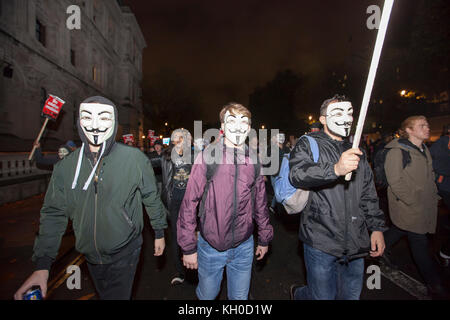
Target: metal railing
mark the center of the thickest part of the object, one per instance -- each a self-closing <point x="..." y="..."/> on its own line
<point x="16" y="165"/>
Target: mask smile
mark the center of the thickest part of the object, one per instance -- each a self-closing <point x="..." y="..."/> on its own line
<point x="347" y="124"/>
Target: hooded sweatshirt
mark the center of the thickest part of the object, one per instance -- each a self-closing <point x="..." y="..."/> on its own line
<point x="103" y="197"/>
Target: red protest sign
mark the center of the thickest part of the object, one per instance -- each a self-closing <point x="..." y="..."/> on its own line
<point x="151" y="133"/>
<point x="128" y="138"/>
<point x="52" y="107"/>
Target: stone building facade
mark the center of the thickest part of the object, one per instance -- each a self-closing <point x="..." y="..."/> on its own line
<point x="39" y="55"/>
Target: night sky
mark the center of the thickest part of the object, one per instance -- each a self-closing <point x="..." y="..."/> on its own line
<point x="220" y="51"/>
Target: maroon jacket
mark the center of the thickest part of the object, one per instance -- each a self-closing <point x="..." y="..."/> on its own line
<point x="229" y="208"/>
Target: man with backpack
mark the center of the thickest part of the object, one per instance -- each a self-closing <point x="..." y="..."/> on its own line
<point x="231" y="193"/>
<point x="339" y="215"/>
<point x="413" y="198"/>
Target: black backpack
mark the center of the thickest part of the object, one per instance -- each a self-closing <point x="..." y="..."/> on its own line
<point x="378" y="170"/>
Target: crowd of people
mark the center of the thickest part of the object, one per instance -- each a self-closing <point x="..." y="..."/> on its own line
<point x="214" y="202"/>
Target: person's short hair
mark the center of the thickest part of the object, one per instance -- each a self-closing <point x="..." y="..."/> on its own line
<point x="326" y="103"/>
<point x="158" y="142"/>
<point x="235" y="108"/>
<point x="409" y="123"/>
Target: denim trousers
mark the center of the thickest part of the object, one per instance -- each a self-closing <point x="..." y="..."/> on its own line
<point x="211" y="263"/>
<point x="329" y="279"/>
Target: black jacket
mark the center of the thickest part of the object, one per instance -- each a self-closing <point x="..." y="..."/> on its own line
<point x="155" y="160"/>
<point x="440" y="151"/>
<point x="167" y="172"/>
<point x="339" y="214"/>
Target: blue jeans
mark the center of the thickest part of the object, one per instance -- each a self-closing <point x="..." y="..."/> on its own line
<point x="328" y="279"/>
<point x="210" y="270"/>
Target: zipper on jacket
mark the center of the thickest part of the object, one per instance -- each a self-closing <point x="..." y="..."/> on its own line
<point x="346" y="224"/>
<point x="95" y="214"/>
<point x="130" y="223"/>
<point x="235" y="195"/>
<point x="95" y="228"/>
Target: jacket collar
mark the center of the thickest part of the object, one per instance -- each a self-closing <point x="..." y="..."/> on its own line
<point x="322" y="135"/>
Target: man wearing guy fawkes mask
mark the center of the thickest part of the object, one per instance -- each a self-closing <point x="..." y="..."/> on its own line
<point x="101" y="187"/>
<point x="339" y="216"/>
<point x="231" y="194"/>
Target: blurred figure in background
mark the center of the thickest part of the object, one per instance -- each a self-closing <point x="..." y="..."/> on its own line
<point x="176" y="168"/>
<point x="440" y="151"/>
<point x="50" y="160"/>
<point x="277" y="142"/>
<point x="155" y="159"/>
<point x="315" y="127"/>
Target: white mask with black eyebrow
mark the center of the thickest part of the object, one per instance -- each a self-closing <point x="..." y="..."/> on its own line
<point x="340" y="118"/>
<point x="236" y="128"/>
<point x="97" y="122"/>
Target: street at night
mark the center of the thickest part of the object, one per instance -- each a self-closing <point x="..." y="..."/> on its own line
<point x="271" y="277"/>
<point x="212" y="151"/>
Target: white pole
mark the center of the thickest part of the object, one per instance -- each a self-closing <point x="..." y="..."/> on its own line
<point x="372" y="73"/>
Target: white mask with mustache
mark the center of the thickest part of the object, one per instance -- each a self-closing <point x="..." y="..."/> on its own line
<point x="62" y="152"/>
<point x="236" y="128"/>
<point x="340" y="118"/>
<point x="97" y="122"/>
<point x="281" y="138"/>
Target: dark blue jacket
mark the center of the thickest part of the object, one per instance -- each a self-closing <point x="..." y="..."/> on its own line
<point x="440" y="151"/>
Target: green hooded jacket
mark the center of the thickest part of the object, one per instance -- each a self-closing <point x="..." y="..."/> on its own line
<point x="105" y="208"/>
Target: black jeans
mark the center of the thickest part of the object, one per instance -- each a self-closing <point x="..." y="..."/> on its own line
<point x="174" y="208"/>
<point x="115" y="281"/>
<point x="419" y="247"/>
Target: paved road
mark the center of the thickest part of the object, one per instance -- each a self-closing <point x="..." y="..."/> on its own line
<point x="272" y="277"/>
